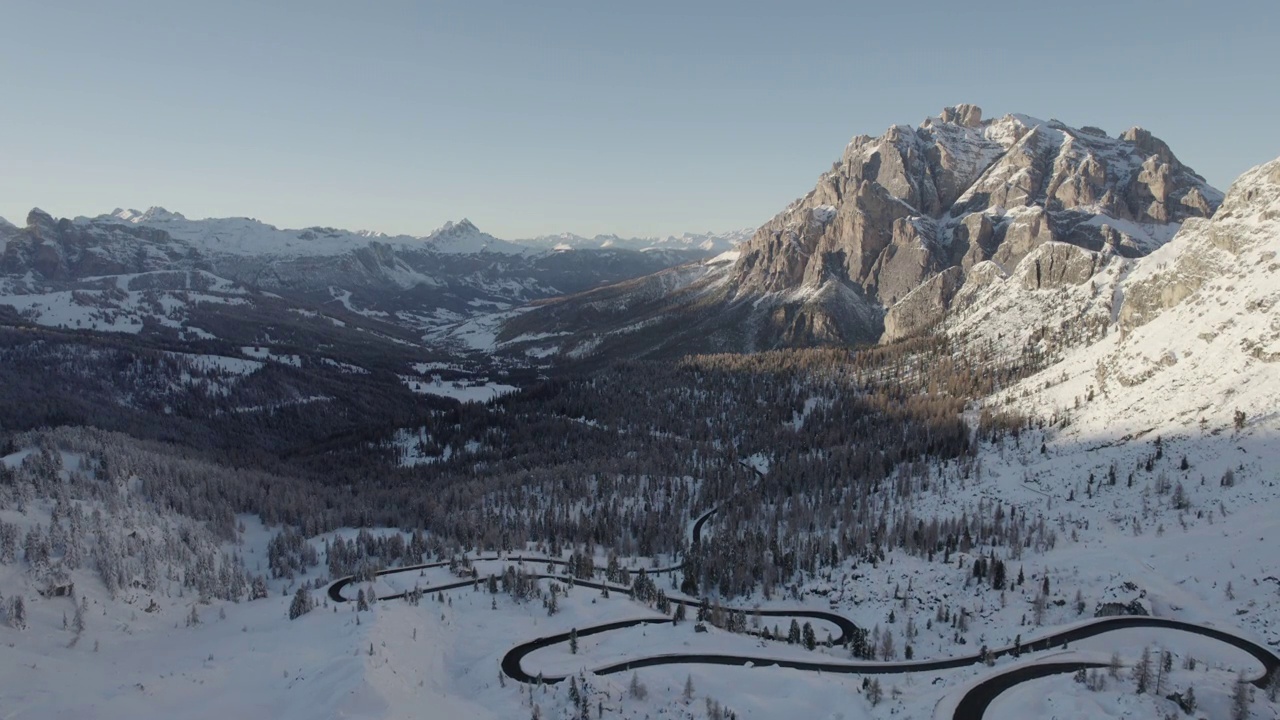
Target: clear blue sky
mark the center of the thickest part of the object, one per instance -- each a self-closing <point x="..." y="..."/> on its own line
<point x="535" y="117"/>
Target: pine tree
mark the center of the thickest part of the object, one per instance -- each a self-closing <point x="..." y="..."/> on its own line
<point x="874" y="692"/>
<point x="573" y="640"/>
<point x="18" y="613"/>
<point x="1142" y="672"/>
<point x="636" y="689"/>
<point x="687" y="694"/>
<point x="1189" y="701"/>
<point x="1240" y="699"/>
<point x="301" y="604"/>
<point x="810" y="639"/>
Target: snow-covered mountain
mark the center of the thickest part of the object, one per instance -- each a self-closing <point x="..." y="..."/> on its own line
<point x="421" y="284"/>
<point x="900" y="223"/>
<point x="248" y="236"/>
<point x="709" y="242"/>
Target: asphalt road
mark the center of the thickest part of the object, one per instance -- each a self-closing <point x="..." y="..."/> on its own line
<point x="971" y="707"/>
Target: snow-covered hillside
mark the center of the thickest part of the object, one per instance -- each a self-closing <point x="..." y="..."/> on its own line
<point x="1179" y="341"/>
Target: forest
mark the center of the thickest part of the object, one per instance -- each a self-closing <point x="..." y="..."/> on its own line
<point x="811" y="456"/>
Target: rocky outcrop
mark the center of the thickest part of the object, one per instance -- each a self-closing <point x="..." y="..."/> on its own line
<point x="60" y="250"/>
<point x="1056" y="265"/>
<point x="1206" y="249"/>
<point x="924" y="307"/>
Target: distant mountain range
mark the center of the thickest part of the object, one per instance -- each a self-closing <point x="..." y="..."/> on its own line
<point x="711" y="243"/>
<point x="248" y="236"/>
<point x="158" y="271"/>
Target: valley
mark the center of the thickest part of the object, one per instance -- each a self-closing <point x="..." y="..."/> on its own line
<point x="982" y="426"/>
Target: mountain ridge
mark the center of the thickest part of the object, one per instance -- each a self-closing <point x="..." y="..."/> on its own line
<point x="250" y="236"/>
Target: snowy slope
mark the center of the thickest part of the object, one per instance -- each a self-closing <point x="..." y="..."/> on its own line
<point x="1177" y="341"/>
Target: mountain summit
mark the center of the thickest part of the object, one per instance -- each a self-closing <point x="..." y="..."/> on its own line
<point x="924" y="205"/>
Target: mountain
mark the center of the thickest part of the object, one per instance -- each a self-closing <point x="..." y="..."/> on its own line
<point x="1098" y="420"/>
<point x="247" y="236"/>
<point x="896" y="229"/>
<point x="708" y="242"/>
<point x="81" y="272"/>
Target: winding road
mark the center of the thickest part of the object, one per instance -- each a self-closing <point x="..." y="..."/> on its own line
<point x="972" y="706"/>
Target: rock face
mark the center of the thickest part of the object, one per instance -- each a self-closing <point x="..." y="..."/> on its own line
<point x="1180" y="339"/>
<point x="1207" y="249"/>
<point x="904" y="217"/>
<point x="61" y="250"/>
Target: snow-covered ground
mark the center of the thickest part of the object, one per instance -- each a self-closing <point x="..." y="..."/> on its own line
<point x="462" y="391"/>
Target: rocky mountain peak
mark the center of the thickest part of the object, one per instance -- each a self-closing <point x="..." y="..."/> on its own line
<point x="153" y="214"/>
<point x="462" y="227"/>
<point x="37" y="218"/>
<point x="899" y="210"/>
<point x="964" y="115"/>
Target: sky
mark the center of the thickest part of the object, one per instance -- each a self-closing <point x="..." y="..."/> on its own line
<point x="531" y="118"/>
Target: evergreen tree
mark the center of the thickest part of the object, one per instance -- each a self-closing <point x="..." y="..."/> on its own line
<point x="1189" y="701"/>
<point x="301" y="604"/>
<point x="18" y="613"/>
<point x="1240" y="699"/>
<point x="997" y="575"/>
